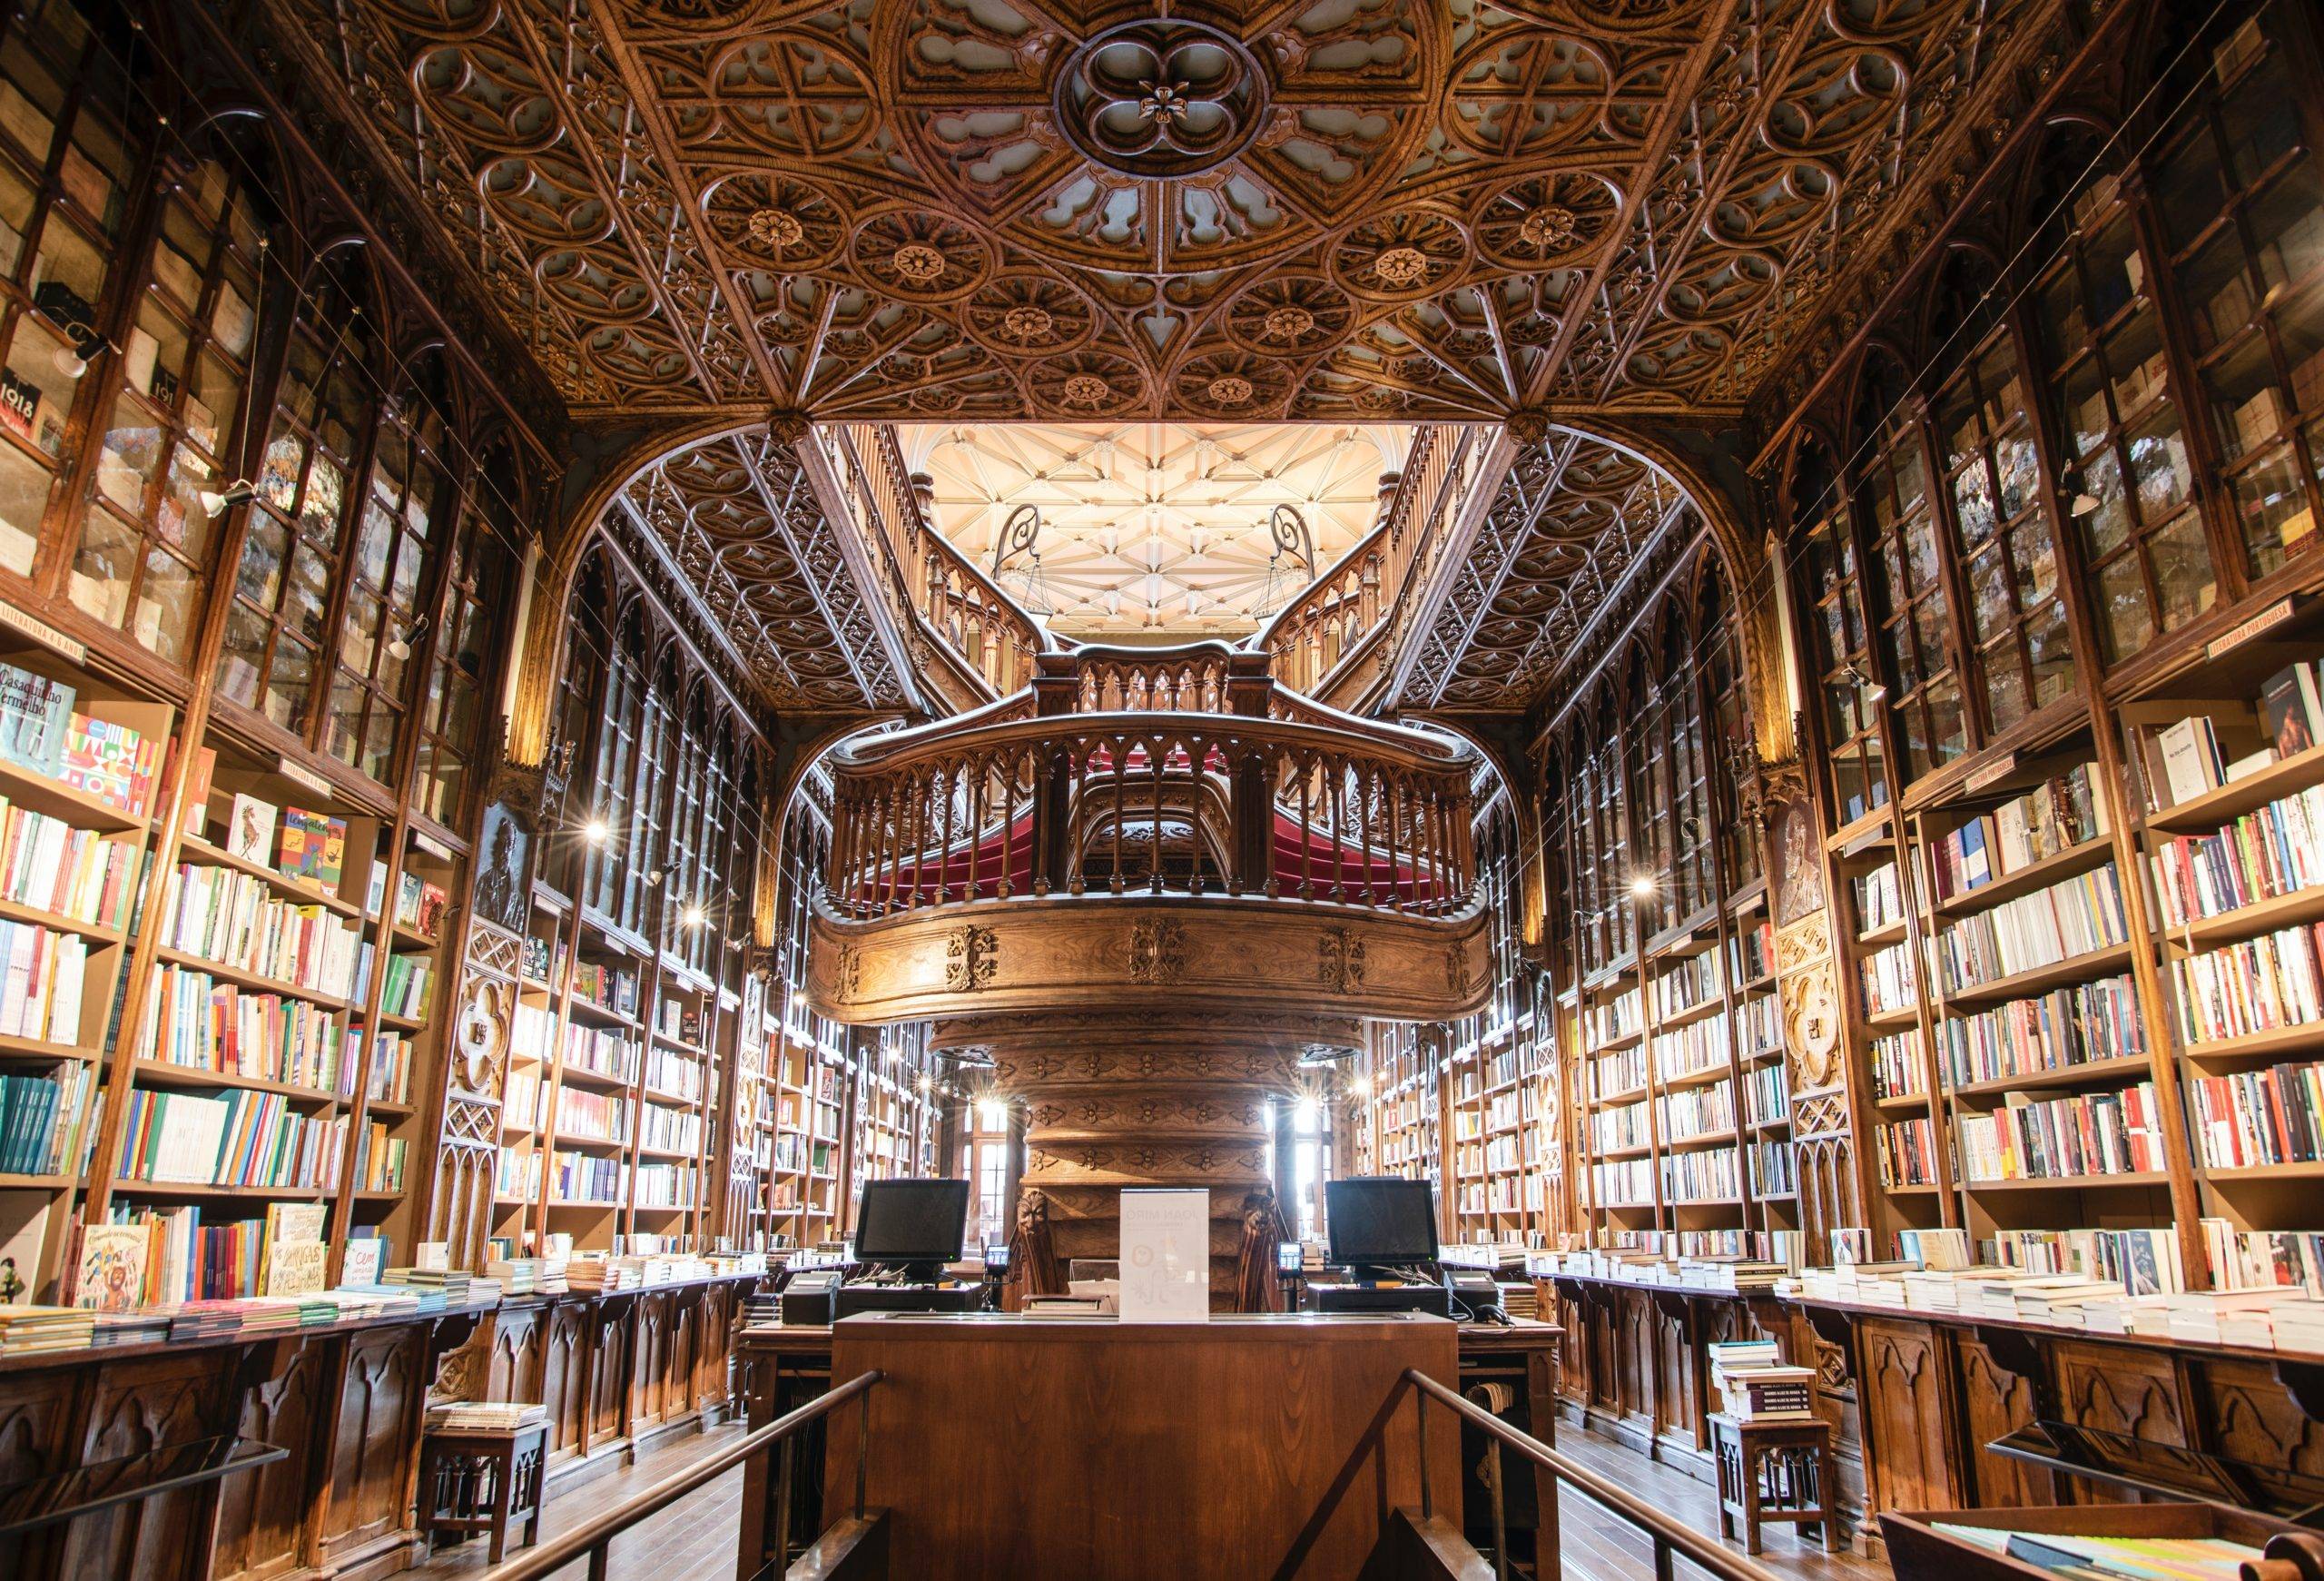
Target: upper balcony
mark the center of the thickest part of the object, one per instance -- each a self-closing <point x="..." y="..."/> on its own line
<point x="1245" y="843"/>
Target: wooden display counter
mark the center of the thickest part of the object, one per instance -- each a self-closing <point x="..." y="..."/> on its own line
<point x="349" y="1401"/>
<point x="1916" y="1396"/>
<point x="784" y="1367"/>
<point x="1246" y="1446"/>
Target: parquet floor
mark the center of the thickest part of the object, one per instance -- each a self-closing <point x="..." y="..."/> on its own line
<point x="693" y="1540"/>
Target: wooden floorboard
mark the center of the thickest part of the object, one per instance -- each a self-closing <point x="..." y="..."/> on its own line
<point x="693" y="1539"/>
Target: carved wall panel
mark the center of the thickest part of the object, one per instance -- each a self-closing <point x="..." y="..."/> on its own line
<point x="565" y="1377"/>
<point x="262" y="1515"/>
<point x="1908" y="1417"/>
<point x="2135" y="1395"/>
<point x="373" y="1452"/>
<point x="1995" y="1402"/>
<point x="133" y="1409"/>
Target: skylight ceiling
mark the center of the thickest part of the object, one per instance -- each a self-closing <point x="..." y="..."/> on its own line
<point x="1154" y="532"/>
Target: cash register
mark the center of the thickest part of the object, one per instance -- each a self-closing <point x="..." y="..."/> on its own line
<point x="1383" y="1233"/>
<point x="905" y="1232"/>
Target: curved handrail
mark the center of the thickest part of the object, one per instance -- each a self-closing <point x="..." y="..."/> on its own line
<point x="588" y="1540"/>
<point x="994" y="726"/>
<point x="986" y="633"/>
<point x="1665" y="1532"/>
<point x="1177" y="801"/>
<point x="1317" y="642"/>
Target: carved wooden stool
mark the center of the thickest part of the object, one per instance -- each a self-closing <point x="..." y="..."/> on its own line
<point x="1775" y="1471"/>
<point x="474" y="1479"/>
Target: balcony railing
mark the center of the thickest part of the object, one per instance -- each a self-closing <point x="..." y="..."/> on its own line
<point x="1329" y="641"/>
<point x="989" y="641"/>
<point x="1181" y="772"/>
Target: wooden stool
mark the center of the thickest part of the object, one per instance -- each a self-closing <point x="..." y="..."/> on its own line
<point x="1775" y="1471"/>
<point x="474" y="1479"/>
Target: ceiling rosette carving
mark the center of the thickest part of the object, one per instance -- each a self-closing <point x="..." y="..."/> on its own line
<point x="1410" y="208"/>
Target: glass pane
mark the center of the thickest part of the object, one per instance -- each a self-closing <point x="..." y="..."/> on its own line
<point x="2046" y="647"/>
<point x="2288" y="226"/>
<point x="358" y="631"/>
<point x="2005" y="686"/>
<point x="154" y="360"/>
<point x="343" y="735"/>
<point x="131" y="452"/>
<point x="2020" y="474"/>
<point x="1989" y="594"/>
<point x="2159" y="465"/>
<point x="244" y="656"/>
<point x="1973" y="504"/>
<point x="258" y="578"/>
<point x="23" y="500"/>
<point x="318" y="506"/>
<point x="36" y="394"/>
<point x="2183" y="570"/>
<point x="167" y="601"/>
<point x="2218" y="294"/>
<point x="289" y="683"/>
<point x="2272" y="503"/>
<point x="2187" y="190"/>
<point x="180" y="519"/>
<point x="68" y="280"/>
<point x="379" y="743"/>
<point x="2081" y="406"/>
<point x="103" y="567"/>
<point x="307" y="594"/>
<point x="2134" y="361"/>
<point x="2099" y="508"/>
<point x="2125" y="621"/>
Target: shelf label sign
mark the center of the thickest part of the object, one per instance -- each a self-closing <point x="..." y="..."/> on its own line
<point x="298" y="773"/>
<point x="1994" y="772"/>
<point x="1166" y="1257"/>
<point x="42" y="632"/>
<point x="2274" y="615"/>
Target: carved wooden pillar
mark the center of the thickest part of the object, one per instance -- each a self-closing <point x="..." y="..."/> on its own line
<point x="1110" y="1104"/>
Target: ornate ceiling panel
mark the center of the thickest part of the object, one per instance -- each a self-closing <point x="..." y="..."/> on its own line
<point x="736" y="520"/>
<point x="1576" y="524"/>
<point x="1069" y="210"/>
<point x="1149" y="529"/>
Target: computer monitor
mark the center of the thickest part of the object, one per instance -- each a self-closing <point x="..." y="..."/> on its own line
<point x="1381" y="1221"/>
<point x="922" y="1224"/>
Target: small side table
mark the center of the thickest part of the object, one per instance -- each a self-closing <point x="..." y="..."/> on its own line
<point x="1775" y="1471"/>
<point x="486" y="1479"/>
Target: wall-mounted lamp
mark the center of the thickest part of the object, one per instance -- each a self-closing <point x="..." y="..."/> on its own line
<point x="596" y="831"/>
<point x="213" y="503"/>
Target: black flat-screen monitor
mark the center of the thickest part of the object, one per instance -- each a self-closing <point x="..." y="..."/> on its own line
<point x="1379" y="1221"/>
<point x="918" y="1221"/>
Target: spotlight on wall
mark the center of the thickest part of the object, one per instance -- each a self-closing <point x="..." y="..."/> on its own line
<point x="1360" y="1088"/>
<point x="694" y="916"/>
<point x="595" y="831"/>
<point x="1873" y="690"/>
<point x="214" y="503"/>
<point x="798" y="999"/>
<point x="399" y="647"/>
<point x="70" y="362"/>
<point x="1643" y="887"/>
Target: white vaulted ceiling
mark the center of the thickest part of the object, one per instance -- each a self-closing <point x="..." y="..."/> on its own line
<point x="1154" y="532"/>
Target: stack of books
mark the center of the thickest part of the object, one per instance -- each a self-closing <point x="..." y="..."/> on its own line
<point x="29" y="1328"/>
<point x="450" y="1284"/>
<point x="428" y="1290"/>
<point x="204" y="1320"/>
<point x="389" y="1300"/>
<point x="1754" y="1386"/>
<point x="518" y="1276"/>
<point x="2228" y="1316"/>
<point x="146" y="1325"/>
<point x="761" y="1309"/>
<point x="2298" y="1325"/>
<point x="2058" y="1299"/>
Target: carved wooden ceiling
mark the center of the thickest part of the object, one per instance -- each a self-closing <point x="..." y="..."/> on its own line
<point x="1068" y="210"/>
<point x="1576" y="529"/>
<point x="737" y="523"/>
<point x="1150" y="530"/>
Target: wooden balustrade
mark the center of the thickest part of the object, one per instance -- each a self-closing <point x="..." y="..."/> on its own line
<point x="1174" y="796"/>
<point x="1321" y="638"/>
<point x="983" y="630"/>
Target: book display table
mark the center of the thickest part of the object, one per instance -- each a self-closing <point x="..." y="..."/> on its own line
<point x="1775" y="1471"/>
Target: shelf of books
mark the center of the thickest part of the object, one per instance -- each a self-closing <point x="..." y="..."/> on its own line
<point x="893" y="1129"/>
<point x="1407" y="1079"/>
<point x="804" y="1189"/>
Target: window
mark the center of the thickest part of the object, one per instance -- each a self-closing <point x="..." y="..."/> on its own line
<point x="1908" y="575"/>
<point x="1992" y="484"/>
<point x="1646" y="732"/>
<point x="66" y="176"/>
<point x="1691" y="863"/>
<point x="2133" y="486"/>
<point x="298" y="527"/>
<point x="1734" y="749"/>
<point x="603" y="883"/>
<point x="145" y="536"/>
<point x="2242" y="208"/>
<point x="377" y="624"/>
<point x="479" y="590"/>
<point x="1837" y="637"/>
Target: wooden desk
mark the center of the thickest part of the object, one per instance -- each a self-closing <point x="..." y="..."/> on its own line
<point x="1267" y="1443"/>
<point x="784" y="1367"/>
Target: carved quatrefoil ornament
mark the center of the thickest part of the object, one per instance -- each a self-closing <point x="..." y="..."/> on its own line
<point x="1161" y="98"/>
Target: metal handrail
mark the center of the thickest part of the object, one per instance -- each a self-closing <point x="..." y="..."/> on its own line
<point x="1665" y="1534"/>
<point x="592" y="1536"/>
